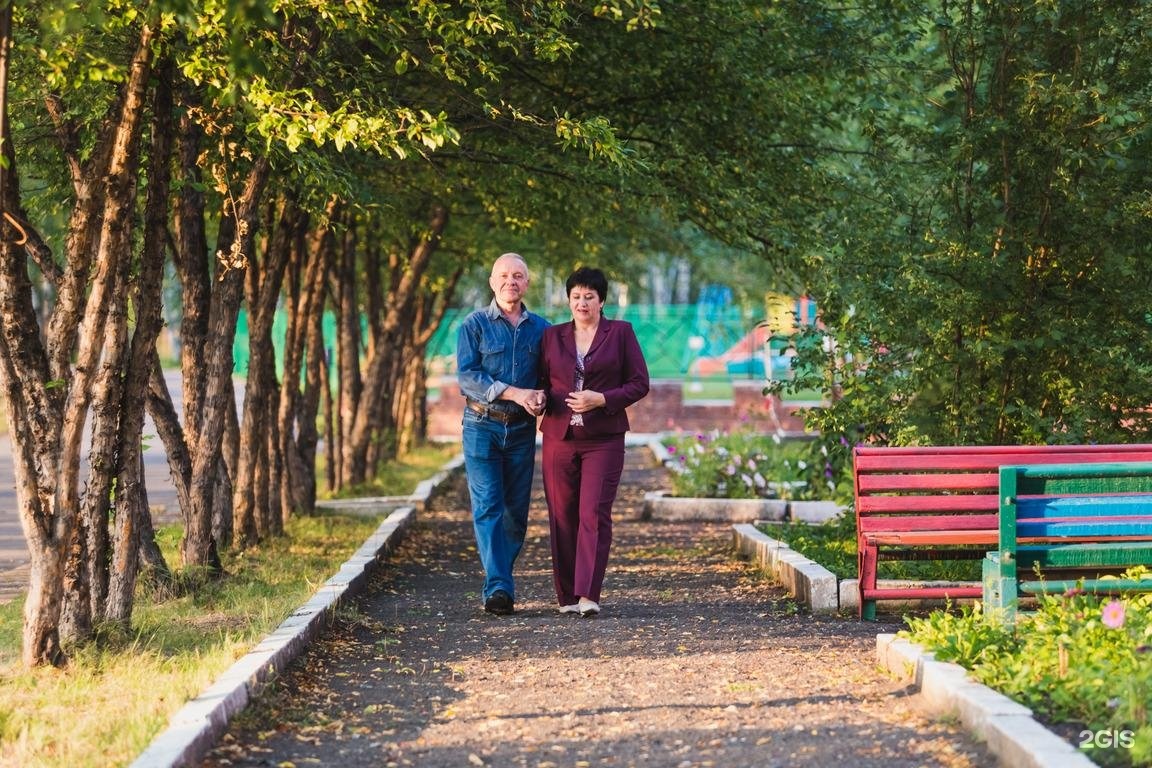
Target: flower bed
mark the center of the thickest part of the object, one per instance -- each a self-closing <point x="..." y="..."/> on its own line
<point x="803" y="484"/>
<point x="1079" y="661"/>
<point x="751" y="465"/>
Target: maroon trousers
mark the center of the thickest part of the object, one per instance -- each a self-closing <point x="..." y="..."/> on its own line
<point x="581" y="476"/>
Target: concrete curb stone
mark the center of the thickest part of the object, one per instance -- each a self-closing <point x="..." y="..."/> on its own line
<point x="201" y="722"/>
<point x="199" y="725"/>
<point x="806" y="580"/>
<point x="1008" y="728"/>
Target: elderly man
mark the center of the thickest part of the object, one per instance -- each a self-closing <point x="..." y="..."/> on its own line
<point x="497" y="355"/>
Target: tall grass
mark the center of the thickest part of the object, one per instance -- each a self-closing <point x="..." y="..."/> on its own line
<point x="116" y="694"/>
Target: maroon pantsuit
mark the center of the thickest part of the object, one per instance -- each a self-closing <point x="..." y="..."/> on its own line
<point x="582" y="464"/>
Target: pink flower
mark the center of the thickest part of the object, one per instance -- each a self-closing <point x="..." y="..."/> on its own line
<point x="1112" y="615"/>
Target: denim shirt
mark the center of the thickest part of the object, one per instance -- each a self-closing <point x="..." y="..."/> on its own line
<point x="491" y="355"/>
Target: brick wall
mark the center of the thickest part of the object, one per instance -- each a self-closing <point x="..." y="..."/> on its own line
<point x="663" y="410"/>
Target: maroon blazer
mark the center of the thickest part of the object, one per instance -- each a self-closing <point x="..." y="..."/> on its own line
<point x="614" y="366"/>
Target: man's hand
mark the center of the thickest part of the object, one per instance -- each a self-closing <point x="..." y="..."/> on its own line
<point x="531" y="400"/>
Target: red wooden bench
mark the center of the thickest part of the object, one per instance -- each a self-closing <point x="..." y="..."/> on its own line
<point x="941" y="503"/>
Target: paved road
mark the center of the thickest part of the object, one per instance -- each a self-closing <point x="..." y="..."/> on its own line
<point x="161" y="496"/>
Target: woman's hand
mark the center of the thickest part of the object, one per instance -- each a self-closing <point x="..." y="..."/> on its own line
<point x="585" y="400"/>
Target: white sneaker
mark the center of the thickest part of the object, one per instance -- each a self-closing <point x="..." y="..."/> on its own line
<point x="588" y="607"/>
<point x="574" y="608"/>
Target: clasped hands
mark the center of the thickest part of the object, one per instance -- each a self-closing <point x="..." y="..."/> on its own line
<point x="535" y="401"/>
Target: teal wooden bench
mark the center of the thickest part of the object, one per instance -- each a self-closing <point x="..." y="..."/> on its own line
<point x="939" y="503"/>
<point x="1064" y="526"/>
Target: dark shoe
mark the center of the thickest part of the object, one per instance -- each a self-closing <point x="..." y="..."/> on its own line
<point x="500" y="603"/>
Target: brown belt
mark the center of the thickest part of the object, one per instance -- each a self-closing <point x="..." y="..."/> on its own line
<point x="504" y="417"/>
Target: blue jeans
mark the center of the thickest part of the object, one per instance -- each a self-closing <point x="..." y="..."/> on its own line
<point x="500" y="460"/>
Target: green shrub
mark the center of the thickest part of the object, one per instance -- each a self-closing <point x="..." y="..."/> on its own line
<point x="1078" y="658"/>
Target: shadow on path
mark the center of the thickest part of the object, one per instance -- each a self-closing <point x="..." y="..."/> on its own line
<point x="696" y="660"/>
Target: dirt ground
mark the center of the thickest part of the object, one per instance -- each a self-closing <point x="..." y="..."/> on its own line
<point x="695" y="660"/>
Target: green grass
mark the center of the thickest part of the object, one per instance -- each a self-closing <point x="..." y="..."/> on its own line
<point x="706" y="389"/>
<point x="396" y="478"/>
<point x="177" y="646"/>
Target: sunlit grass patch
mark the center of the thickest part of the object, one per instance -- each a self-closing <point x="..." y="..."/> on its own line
<point x="116" y="694"/>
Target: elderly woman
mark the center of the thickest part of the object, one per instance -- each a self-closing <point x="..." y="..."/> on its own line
<point x="591" y="370"/>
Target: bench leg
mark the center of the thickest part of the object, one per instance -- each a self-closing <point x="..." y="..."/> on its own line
<point x="866" y="558"/>
<point x="1000" y="593"/>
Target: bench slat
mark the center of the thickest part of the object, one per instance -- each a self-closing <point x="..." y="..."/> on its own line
<point x="968" y="481"/>
<point x="872" y="505"/>
<point x="1028" y="508"/>
<point x="1099" y="528"/>
<point x="930" y="538"/>
<point x="1060" y="587"/>
<point x="1112" y="554"/>
<point x="915" y="592"/>
<point x="942" y="523"/>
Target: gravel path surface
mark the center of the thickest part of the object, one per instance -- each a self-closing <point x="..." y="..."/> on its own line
<point x="696" y="660"/>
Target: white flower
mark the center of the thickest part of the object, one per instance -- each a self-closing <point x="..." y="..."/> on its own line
<point x="776" y="438"/>
<point x="802" y="465"/>
<point x="759" y="480"/>
<point x="730" y="470"/>
<point x="751" y="465"/>
<point x="747" y="480"/>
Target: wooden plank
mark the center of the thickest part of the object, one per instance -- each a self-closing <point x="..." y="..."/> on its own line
<point x="910" y="538"/>
<point x="872" y="505"/>
<point x="903" y="593"/>
<point x="925" y="523"/>
<point x="1117" y="469"/>
<point x="1085" y="485"/>
<point x="1081" y="555"/>
<point x="1026" y="450"/>
<point x="968" y="481"/>
<point x="1046" y="507"/>
<point x="1098" y="586"/>
<point x="1080" y="529"/>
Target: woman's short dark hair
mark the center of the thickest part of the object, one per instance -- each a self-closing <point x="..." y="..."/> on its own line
<point x="588" y="277"/>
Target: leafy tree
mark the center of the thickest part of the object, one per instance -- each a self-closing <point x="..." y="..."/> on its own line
<point x="983" y="278"/>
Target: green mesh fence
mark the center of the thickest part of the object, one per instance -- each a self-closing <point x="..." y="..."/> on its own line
<point x="679" y="340"/>
<point x="673" y="338"/>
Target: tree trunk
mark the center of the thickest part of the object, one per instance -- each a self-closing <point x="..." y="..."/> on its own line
<point x="347" y="352"/>
<point x="49" y="386"/>
<point x="371" y="418"/>
<point x="131" y="497"/>
<point x="254" y="473"/>
<point x="304" y="352"/>
<point x="237" y="232"/>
